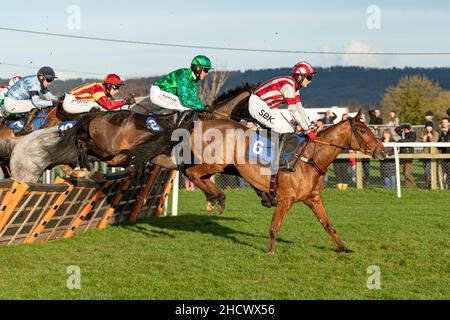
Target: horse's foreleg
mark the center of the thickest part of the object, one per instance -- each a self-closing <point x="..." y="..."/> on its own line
<point x="281" y="211"/>
<point x="211" y="197"/>
<point x="317" y="206"/>
<point x="220" y="196"/>
<point x="74" y="173"/>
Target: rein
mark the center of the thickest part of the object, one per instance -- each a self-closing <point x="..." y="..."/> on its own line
<point x="142" y="107"/>
<point x="221" y="114"/>
<point x="353" y="132"/>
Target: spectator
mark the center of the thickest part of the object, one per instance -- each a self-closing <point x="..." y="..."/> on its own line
<point x="444" y="136"/>
<point x="344" y="117"/>
<point x="387" y="166"/>
<point x="393" y="120"/>
<point x="329" y="117"/>
<point x="429" y="115"/>
<point x="188" y="184"/>
<point x="320" y="123"/>
<point x="429" y="135"/>
<point x="407" y="134"/>
<point x="375" y="117"/>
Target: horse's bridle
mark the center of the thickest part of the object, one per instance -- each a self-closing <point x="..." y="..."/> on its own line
<point x="362" y="147"/>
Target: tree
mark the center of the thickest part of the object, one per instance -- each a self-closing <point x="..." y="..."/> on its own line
<point x="412" y="97"/>
<point x="211" y="86"/>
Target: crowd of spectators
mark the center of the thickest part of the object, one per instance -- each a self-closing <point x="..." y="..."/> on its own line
<point x="394" y="131"/>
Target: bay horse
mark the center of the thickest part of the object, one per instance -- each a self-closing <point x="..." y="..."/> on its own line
<point x="109" y="136"/>
<point x="305" y="184"/>
<point x="117" y="137"/>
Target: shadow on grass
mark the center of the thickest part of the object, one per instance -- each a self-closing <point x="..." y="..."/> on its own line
<point x="189" y="222"/>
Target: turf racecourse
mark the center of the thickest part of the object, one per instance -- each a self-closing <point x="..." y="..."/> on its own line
<point x="196" y="256"/>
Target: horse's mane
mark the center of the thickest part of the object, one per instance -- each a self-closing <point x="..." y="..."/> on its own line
<point x="245" y="87"/>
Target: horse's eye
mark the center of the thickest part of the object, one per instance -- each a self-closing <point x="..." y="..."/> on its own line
<point x="363" y="131"/>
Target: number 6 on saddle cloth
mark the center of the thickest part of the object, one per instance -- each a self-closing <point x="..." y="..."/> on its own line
<point x="265" y="149"/>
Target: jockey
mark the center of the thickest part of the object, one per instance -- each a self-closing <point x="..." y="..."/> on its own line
<point x="178" y="90"/>
<point x="23" y="96"/>
<point x="266" y="98"/>
<point x="96" y="95"/>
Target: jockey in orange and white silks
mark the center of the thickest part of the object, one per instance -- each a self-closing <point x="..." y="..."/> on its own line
<point x="265" y="100"/>
<point x="96" y="95"/>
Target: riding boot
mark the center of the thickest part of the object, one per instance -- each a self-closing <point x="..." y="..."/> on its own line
<point x="188" y="114"/>
<point x="284" y="164"/>
<point x="28" y="127"/>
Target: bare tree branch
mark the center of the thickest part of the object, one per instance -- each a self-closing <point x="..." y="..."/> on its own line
<point x="211" y="86"/>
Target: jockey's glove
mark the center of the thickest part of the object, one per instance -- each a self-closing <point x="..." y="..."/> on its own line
<point x="56" y="103"/>
<point x="209" y="108"/>
<point x="129" y="101"/>
<point x="311" y="134"/>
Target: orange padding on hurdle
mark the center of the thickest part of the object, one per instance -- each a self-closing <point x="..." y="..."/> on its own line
<point x="143" y="194"/>
<point x="112" y="207"/>
<point x="32" y="236"/>
<point x="78" y="220"/>
<point x="10" y="201"/>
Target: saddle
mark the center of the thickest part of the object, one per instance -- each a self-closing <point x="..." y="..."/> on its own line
<point x="263" y="147"/>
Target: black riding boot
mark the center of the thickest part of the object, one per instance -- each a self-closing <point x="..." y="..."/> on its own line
<point x="284" y="164"/>
<point x="186" y="116"/>
<point x="27" y="127"/>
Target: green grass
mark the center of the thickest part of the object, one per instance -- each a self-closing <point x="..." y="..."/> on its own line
<point x="196" y="256"/>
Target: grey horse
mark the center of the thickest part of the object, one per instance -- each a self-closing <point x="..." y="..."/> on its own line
<point x="32" y="154"/>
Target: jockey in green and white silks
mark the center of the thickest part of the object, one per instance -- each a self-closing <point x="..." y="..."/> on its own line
<point x="178" y="90"/>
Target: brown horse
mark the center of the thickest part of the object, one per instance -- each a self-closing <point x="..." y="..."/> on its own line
<point x="117" y="137"/>
<point x="303" y="185"/>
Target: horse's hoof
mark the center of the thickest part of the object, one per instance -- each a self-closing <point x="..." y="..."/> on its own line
<point x="220" y="209"/>
<point x="97" y="176"/>
<point x="209" y="208"/>
<point x="344" y="250"/>
<point x="266" y="204"/>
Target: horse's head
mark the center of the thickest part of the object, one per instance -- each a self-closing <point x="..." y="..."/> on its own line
<point x="362" y="139"/>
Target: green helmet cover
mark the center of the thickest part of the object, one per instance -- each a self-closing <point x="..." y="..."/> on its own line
<point x="202" y="61"/>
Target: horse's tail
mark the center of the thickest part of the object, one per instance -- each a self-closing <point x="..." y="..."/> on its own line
<point x="68" y="149"/>
<point x="154" y="145"/>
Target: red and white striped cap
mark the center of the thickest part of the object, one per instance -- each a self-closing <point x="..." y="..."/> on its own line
<point x="303" y="68"/>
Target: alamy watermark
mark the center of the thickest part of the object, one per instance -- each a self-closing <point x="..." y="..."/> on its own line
<point x="227" y="146"/>
<point x="374" y="279"/>
<point x="373" y="21"/>
<point x="73" y="21"/>
<point x="74" y="280"/>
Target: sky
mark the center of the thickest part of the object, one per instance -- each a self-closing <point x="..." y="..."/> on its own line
<point x="345" y="26"/>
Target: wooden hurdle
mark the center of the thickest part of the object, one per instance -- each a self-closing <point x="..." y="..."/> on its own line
<point x="86" y="210"/>
<point x="35" y="232"/>
<point x="143" y="194"/>
<point x="38" y="212"/>
<point x="10" y="201"/>
<point x="165" y="193"/>
<point x="112" y="207"/>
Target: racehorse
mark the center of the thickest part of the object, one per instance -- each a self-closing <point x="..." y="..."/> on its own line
<point x="109" y="136"/>
<point x="305" y="184"/>
<point x="116" y="137"/>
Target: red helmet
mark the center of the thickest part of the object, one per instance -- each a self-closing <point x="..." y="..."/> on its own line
<point x="113" y="79"/>
<point x="303" y="68"/>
